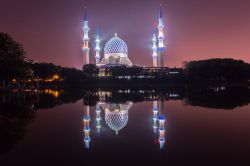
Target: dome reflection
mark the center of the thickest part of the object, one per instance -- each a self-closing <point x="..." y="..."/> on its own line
<point x="116" y="115"/>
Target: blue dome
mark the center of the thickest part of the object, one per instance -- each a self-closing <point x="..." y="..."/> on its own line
<point x="116" y="46"/>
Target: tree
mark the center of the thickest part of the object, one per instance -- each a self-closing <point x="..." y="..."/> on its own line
<point x="12" y="64"/>
<point x="45" y="70"/>
<point x="10" y="50"/>
<point x="218" y="70"/>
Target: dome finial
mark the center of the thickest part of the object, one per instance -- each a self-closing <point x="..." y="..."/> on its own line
<point x="115" y="34"/>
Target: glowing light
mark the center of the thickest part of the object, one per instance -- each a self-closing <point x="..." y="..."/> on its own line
<point x="56" y="77"/>
<point x="97" y="48"/>
<point x="154" y="48"/>
<point x="54" y="93"/>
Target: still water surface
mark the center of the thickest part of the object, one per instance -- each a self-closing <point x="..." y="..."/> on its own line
<point x="106" y="130"/>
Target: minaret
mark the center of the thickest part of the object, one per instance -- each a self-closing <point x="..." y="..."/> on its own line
<point x="85" y="47"/>
<point x="161" y="40"/>
<point x="86" y="121"/>
<point x="97" y="46"/>
<point x="154" y="48"/>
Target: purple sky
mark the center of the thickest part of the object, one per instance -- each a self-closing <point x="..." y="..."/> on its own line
<point x="51" y="30"/>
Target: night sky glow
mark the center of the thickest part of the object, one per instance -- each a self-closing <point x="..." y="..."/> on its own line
<point x="51" y="30"/>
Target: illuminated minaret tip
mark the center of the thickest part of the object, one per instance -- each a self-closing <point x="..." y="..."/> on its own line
<point x="97" y="46"/>
<point x="86" y="39"/>
<point x="161" y="38"/>
<point x="154" y="49"/>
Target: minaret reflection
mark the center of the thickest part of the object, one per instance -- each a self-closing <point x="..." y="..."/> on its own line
<point x="159" y="121"/>
<point x="161" y="131"/>
<point x="155" y="116"/>
<point x="86" y="121"/>
<point x="98" y="117"/>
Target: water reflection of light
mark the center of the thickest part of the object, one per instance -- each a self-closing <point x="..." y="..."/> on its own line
<point x="159" y="122"/>
<point x="103" y="94"/>
<point x="54" y="93"/>
<point x="86" y="121"/>
<point x="155" y="116"/>
<point x="116" y="118"/>
<point x="98" y="118"/>
<point x="161" y="131"/>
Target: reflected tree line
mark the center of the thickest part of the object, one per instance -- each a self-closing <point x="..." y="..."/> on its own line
<point x="17" y="109"/>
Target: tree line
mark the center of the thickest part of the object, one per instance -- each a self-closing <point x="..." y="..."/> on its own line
<point x="14" y="66"/>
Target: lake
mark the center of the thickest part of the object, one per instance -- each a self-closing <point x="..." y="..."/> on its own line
<point x="166" y="126"/>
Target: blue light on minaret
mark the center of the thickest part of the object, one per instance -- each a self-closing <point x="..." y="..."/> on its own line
<point x="86" y="39"/>
<point x="97" y="46"/>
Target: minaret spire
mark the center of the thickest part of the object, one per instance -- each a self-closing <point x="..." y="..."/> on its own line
<point x="85" y="16"/>
<point x="161" y="38"/>
<point x="161" y="15"/>
<point x="97" y="46"/>
<point x="86" y="38"/>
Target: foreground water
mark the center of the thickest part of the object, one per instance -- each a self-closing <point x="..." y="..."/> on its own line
<point x="105" y="129"/>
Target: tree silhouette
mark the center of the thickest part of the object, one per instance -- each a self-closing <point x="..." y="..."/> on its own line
<point x="12" y="64"/>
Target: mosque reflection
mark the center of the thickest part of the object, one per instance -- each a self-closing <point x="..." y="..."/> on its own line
<point x="109" y="109"/>
<point x="116" y="117"/>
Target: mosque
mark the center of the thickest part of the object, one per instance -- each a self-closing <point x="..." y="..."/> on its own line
<point x="116" y="50"/>
<point x="116" y="53"/>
